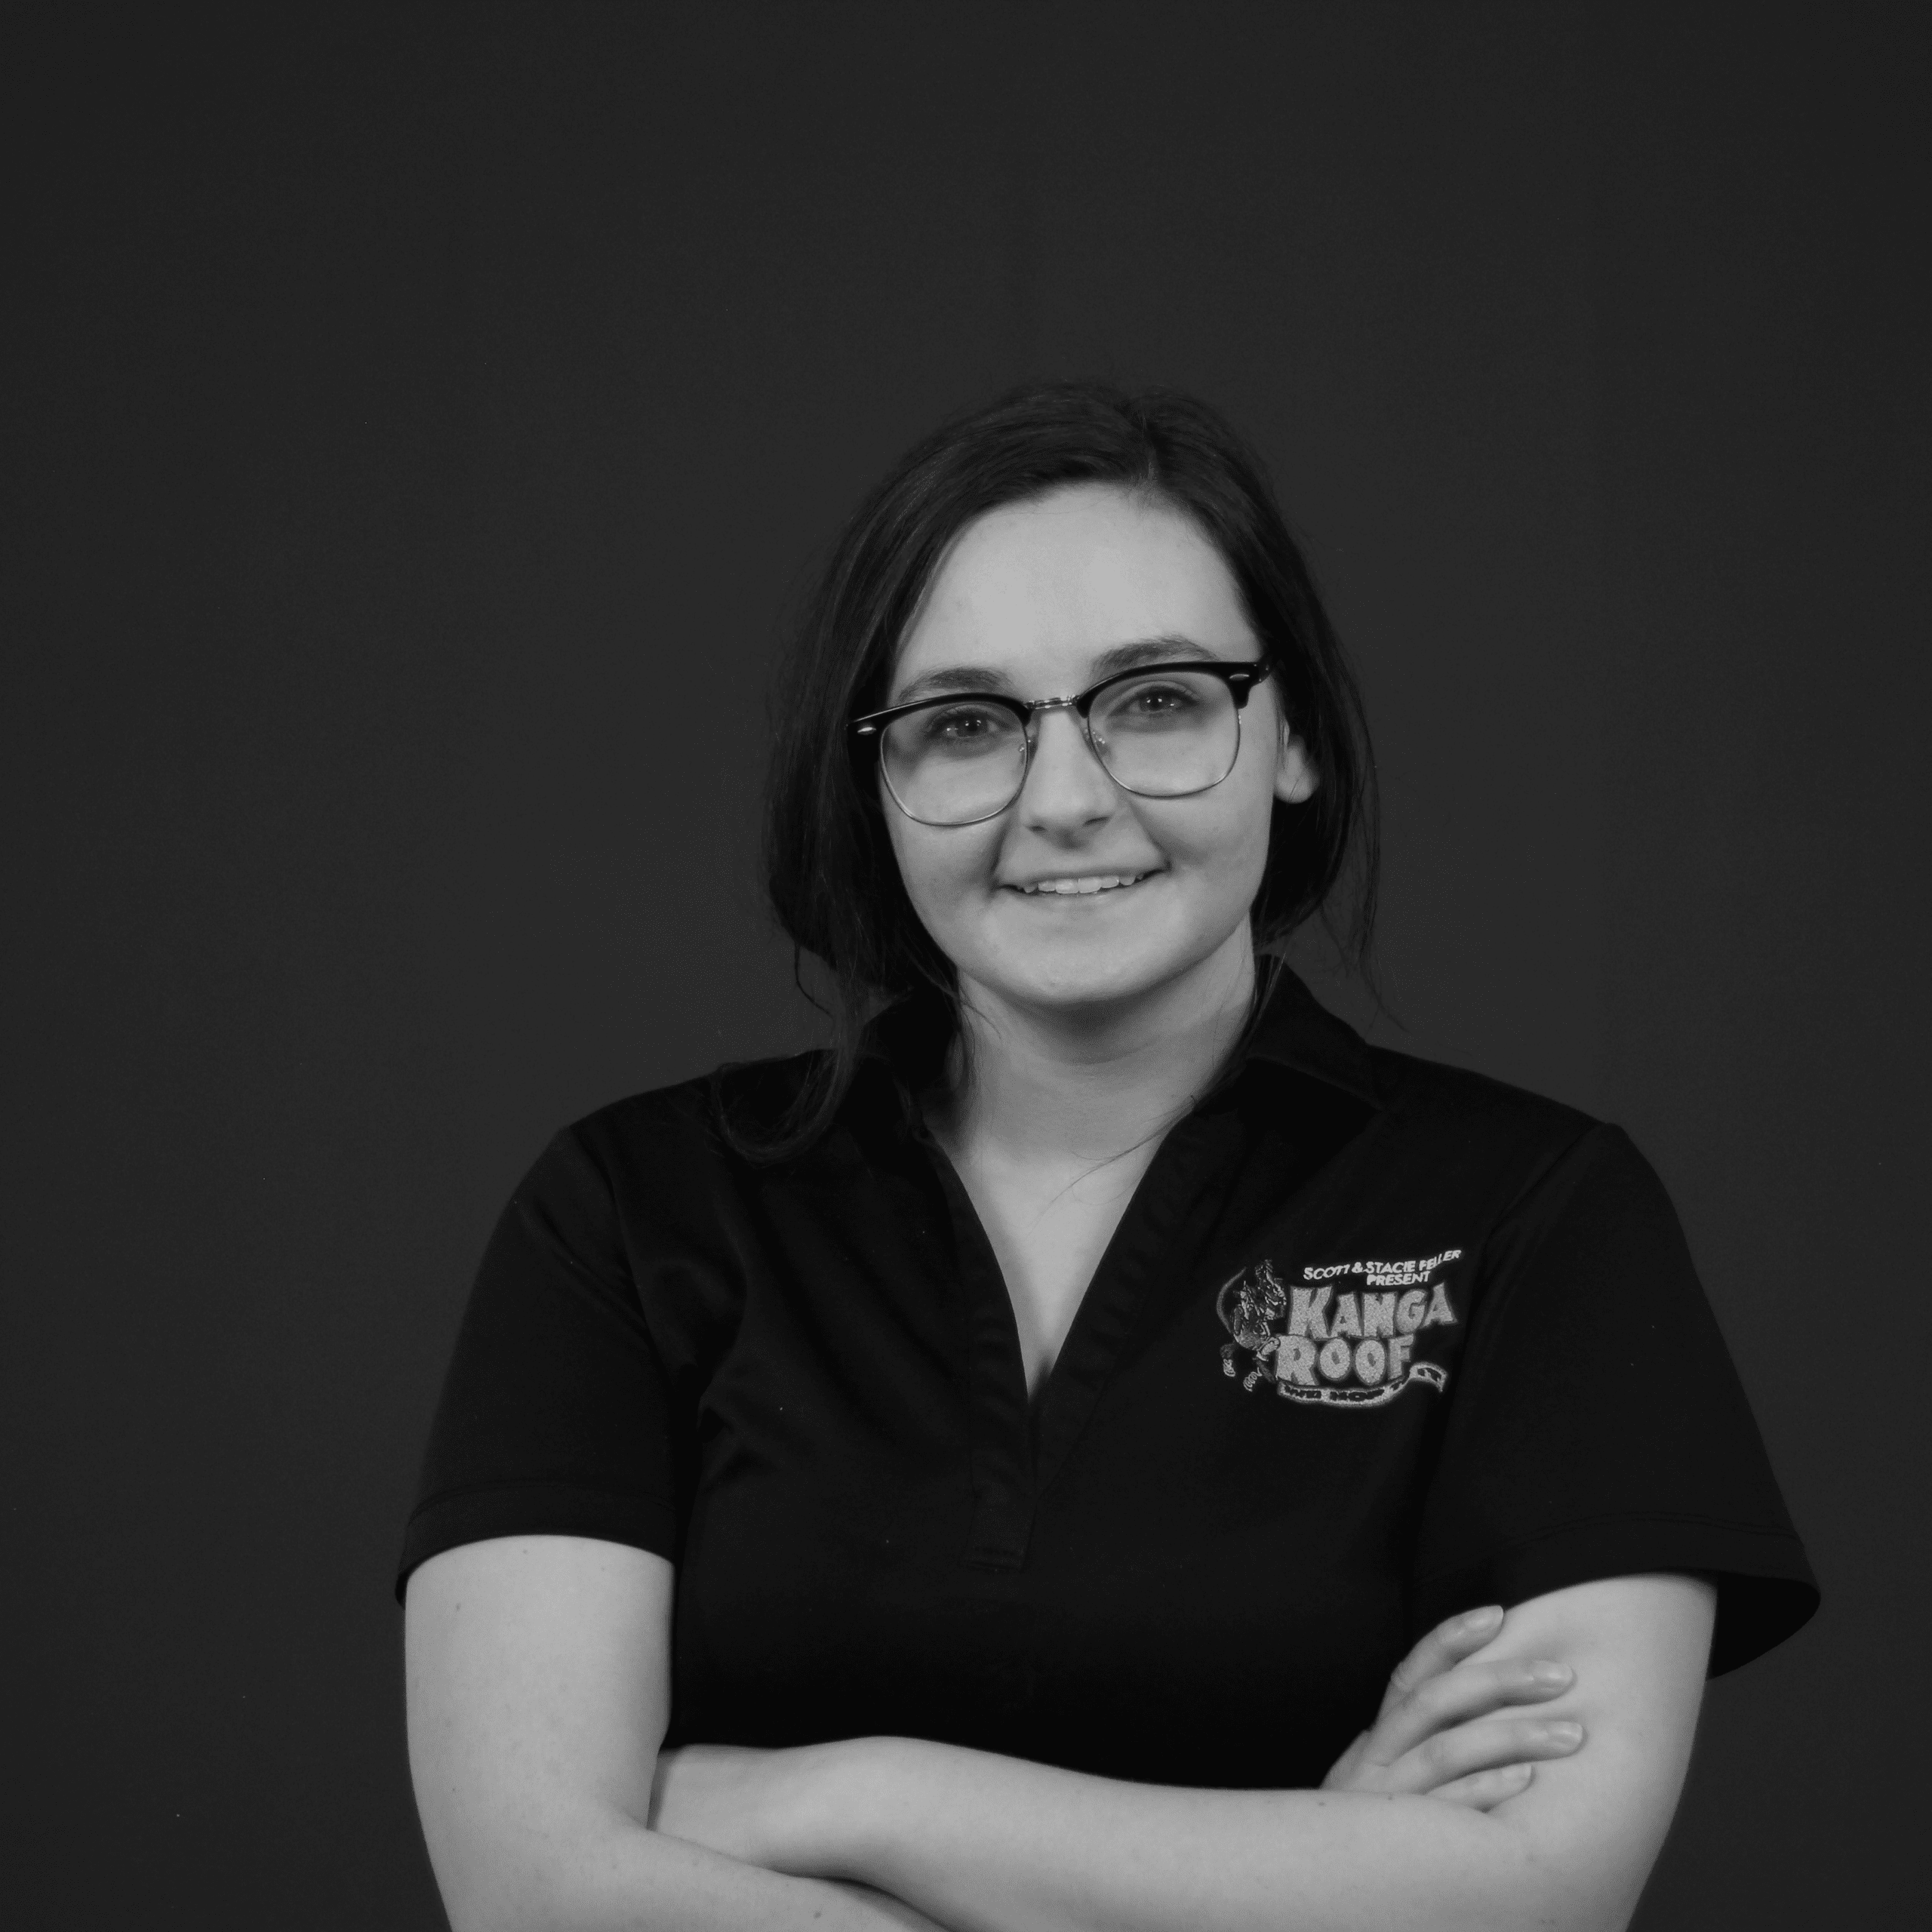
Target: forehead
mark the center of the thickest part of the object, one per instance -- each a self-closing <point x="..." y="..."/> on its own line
<point x="1042" y="587"/>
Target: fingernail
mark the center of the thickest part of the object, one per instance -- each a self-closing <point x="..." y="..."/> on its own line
<point x="1564" y="1732"/>
<point x="1480" y="1620"/>
<point x="1551" y="1673"/>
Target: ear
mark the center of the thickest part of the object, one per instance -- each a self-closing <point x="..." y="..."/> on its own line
<point x="1296" y="778"/>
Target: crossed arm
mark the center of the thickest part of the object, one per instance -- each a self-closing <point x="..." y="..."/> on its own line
<point x="539" y="1693"/>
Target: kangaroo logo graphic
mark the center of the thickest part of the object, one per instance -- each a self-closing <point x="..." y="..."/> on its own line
<point x="1247" y="1305"/>
<point x="1351" y="1350"/>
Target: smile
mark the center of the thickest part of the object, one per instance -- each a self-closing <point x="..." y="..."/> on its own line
<point x="1068" y="888"/>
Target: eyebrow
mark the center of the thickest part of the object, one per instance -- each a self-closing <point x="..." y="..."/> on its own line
<point x="1115" y="657"/>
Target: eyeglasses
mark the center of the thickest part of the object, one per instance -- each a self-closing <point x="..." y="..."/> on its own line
<point x="1159" y="731"/>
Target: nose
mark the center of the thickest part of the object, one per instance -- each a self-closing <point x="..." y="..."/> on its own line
<point x="1067" y="787"/>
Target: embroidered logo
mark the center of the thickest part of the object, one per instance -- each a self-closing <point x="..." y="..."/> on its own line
<point x="1351" y="1347"/>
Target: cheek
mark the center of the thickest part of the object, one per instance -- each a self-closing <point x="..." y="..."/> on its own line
<point x="1227" y="844"/>
<point x="940" y="869"/>
<point x="1256" y="775"/>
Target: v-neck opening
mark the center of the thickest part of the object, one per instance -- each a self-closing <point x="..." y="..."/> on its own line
<point x="1019" y="1442"/>
<point x="971" y="1226"/>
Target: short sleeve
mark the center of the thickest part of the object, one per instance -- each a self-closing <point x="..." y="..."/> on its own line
<point x="557" y="1416"/>
<point x="1597" y="1426"/>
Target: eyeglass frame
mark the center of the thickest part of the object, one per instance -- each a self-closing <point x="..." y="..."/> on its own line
<point x="1240" y="675"/>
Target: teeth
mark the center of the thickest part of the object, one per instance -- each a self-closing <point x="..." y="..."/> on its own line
<point x="1099" y="882"/>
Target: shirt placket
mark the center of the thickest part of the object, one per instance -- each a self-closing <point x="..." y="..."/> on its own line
<point x="1012" y="1461"/>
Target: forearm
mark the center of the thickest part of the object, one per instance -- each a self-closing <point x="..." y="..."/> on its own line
<point x="989" y="1844"/>
<point x="615" y="1876"/>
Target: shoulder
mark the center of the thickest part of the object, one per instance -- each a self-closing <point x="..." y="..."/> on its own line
<point x="653" y="1181"/>
<point x="1410" y="1118"/>
<point x="699" y="1123"/>
<point x="1430" y="1094"/>
<point x="1483" y="1137"/>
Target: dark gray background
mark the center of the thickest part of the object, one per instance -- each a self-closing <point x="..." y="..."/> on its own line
<point x="418" y="419"/>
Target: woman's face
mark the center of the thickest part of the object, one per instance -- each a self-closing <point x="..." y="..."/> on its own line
<point x="1026" y="602"/>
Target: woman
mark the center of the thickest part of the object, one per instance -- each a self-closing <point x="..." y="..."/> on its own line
<point x="1100" y="1447"/>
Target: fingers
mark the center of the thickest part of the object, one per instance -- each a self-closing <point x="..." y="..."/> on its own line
<point x="1448" y="1727"/>
<point x="1490" y="1744"/>
<point x="1482" y="1790"/>
<point x="1456" y="1696"/>
<point x="1443" y="1647"/>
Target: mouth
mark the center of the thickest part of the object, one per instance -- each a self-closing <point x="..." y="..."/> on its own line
<point x="1087" y="886"/>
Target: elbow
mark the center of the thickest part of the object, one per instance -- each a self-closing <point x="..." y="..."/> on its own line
<point x="1555" y="1905"/>
<point x="487" y="1900"/>
<point x="1560" y="1888"/>
<point x="531" y="1879"/>
<point x="469" y="1912"/>
<point x="1447" y="1869"/>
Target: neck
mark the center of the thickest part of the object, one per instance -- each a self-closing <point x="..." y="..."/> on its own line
<point x="1086" y="1085"/>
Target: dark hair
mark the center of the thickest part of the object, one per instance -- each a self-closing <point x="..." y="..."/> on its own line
<point x="830" y="870"/>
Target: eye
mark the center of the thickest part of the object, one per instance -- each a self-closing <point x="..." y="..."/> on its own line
<point x="959" y="721"/>
<point x="964" y="727"/>
<point x="1153" y="703"/>
<point x="1158" y="700"/>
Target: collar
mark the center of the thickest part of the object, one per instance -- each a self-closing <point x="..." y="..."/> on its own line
<point x="902" y="1047"/>
<point x="1296" y="1032"/>
<point x="1293" y="1032"/>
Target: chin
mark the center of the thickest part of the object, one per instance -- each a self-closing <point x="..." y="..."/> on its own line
<point x="1068" y="986"/>
<point x="1088" y="971"/>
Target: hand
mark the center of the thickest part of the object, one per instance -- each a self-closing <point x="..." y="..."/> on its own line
<point x="1434" y="1734"/>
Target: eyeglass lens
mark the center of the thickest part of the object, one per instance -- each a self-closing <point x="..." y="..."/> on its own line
<point x="958" y="760"/>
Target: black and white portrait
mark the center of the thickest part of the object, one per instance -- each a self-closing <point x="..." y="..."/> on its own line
<point x="969" y="966"/>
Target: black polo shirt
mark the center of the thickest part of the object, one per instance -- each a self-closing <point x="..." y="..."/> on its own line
<point x="1376" y="1340"/>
